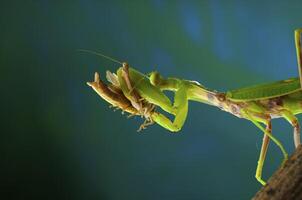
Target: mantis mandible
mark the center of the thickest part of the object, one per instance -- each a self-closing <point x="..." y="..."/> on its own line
<point x="140" y="94"/>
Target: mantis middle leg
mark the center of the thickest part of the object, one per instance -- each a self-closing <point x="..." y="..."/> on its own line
<point x="255" y="118"/>
<point x="262" y="156"/>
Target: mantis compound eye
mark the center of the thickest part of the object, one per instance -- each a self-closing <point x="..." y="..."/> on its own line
<point x="155" y="78"/>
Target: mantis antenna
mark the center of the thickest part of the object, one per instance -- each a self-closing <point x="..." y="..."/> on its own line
<point x="104" y="56"/>
<point x="299" y="53"/>
<point x="99" y="54"/>
<point x="111" y="59"/>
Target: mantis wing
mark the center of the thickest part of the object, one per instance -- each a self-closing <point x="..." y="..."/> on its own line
<point x="276" y="89"/>
<point x="264" y="91"/>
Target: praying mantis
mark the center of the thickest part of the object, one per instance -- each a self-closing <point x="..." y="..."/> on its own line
<point x="140" y="94"/>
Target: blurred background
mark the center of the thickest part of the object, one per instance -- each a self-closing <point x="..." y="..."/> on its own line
<point x="61" y="141"/>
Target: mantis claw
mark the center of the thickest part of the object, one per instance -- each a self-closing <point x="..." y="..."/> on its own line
<point x="260" y="180"/>
<point x="147" y="122"/>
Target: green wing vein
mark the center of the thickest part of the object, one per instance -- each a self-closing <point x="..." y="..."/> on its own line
<point x="268" y="90"/>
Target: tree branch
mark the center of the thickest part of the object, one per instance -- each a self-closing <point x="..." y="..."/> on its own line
<point x="286" y="183"/>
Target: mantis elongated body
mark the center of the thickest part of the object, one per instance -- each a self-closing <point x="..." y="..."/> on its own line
<point x="138" y="94"/>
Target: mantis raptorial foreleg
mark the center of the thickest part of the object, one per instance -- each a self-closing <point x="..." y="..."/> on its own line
<point x="181" y="107"/>
<point x="157" y="80"/>
<point x="299" y="52"/>
<point x="292" y="119"/>
<point x="255" y="120"/>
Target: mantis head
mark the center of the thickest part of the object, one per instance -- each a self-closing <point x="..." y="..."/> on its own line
<point x="155" y="78"/>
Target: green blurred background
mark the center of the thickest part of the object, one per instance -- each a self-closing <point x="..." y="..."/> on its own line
<point x="61" y="141"/>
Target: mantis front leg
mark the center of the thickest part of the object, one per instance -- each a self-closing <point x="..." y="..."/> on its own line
<point x="152" y="93"/>
<point x="180" y="100"/>
<point x="181" y="107"/>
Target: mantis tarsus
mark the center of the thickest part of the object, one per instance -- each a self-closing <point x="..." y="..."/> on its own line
<point x="139" y="94"/>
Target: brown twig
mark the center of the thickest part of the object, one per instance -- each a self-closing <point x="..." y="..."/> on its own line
<point x="286" y="183"/>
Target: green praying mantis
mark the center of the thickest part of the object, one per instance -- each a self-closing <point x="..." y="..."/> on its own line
<point x="140" y="94"/>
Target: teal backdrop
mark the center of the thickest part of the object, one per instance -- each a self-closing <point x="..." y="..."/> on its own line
<point x="61" y="141"/>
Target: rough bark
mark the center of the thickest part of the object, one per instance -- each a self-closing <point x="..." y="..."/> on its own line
<point x="286" y="183"/>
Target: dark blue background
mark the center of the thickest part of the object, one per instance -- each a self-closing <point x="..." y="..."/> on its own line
<point x="61" y="141"/>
